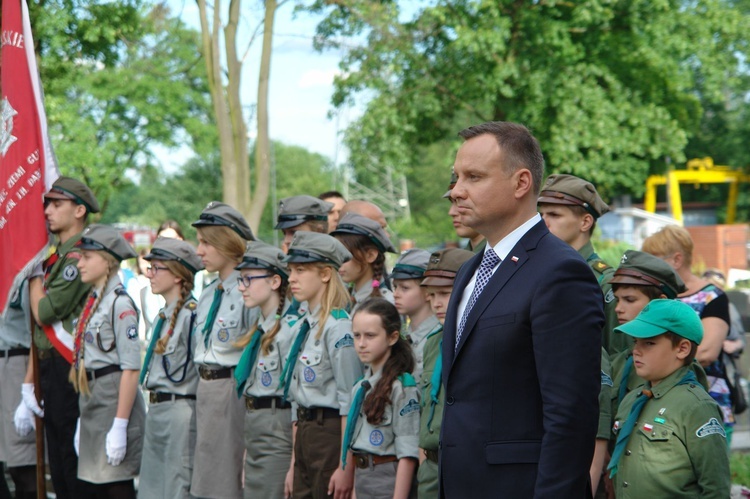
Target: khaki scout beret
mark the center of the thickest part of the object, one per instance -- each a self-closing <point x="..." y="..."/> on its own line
<point x="216" y="213"/>
<point x="75" y="190"/>
<point x="264" y="256"/>
<point x="444" y="265"/>
<point x="98" y="237"/>
<point x="296" y="210"/>
<point x="574" y="191"/>
<point x="310" y="247"/>
<point x="166" y="248"/>
<point x="642" y="269"/>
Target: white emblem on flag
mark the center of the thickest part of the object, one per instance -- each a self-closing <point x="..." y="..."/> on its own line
<point x="6" y="138"/>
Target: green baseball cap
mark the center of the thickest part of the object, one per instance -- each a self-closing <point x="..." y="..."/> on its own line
<point x="73" y="190"/>
<point x="573" y="191"/>
<point x="642" y="269"/>
<point x="662" y="316"/>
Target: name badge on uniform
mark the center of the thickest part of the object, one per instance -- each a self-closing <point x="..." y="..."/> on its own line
<point x="309" y="374"/>
<point x="376" y="438"/>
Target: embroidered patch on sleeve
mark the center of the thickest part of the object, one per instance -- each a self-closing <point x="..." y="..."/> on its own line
<point x="606" y="380"/>
<point x="70" y="272"/>
<point x="712" y="427"/>
<point x="346" y="341"/>
<point x="412" y="406"/>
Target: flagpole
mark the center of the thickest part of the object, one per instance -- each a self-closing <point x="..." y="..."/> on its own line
<point x="41" y="482"/>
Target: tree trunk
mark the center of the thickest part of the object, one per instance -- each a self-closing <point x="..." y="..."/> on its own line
<point x="263" y="142"/>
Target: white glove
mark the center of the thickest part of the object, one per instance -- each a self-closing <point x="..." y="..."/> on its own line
<point x="77" y="437"/>
<point x="24" y="420"/>
<point x="29" y="398"/>
<point x="117" y="441"/>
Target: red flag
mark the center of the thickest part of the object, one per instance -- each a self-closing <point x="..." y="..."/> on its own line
<point x="27" y="163"/>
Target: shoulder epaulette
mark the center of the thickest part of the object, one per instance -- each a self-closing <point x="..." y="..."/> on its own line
<point x="407" y="380"/>
<point x="121" y="291"/>
<point x="601" y="266"/>
<point x="339" y="313"/>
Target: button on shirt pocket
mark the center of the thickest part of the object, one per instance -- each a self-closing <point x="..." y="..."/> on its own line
<point x="658" y="443"/>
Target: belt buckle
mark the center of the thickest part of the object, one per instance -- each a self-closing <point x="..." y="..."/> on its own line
<point x="152" y="398"/>
<point x="304" y="414"/>
<point x="362" y="461"/>
<point x="250" y="404"/>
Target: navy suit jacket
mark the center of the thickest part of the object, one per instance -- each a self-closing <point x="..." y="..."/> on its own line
<point x="522" y="388"/>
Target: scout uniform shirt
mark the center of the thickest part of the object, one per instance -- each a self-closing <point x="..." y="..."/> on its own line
<point x="396" y="434"/>
<point x="327" y="367"/>
<point x="111" y="336"/>
<point x="66" y="294"/>
<point x="678" y="447"/>
<point x="417" y="339"/>
<point x="430" y="420"/>
<point x="174" y="370"/>
<point x="265" y="376"/>
<point x="231" y="322"/>
<point x="14" y="324"/>
<point x="611" y="342"/>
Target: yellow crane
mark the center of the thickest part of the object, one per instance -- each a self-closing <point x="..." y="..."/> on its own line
<point x="699" y="171"/>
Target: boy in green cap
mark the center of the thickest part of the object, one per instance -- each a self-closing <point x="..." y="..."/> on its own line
<point x="670" y="439"/>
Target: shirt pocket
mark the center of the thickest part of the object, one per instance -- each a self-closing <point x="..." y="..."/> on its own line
<point x="268" y="368"/>
<point x="315" y="368"/>
<point x="659" y="443"/>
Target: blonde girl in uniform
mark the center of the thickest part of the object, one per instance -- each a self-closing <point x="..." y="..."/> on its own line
<point x="381" y="438"/>
<point x="106" y="362"/>
<point x="169" y="374"/>
<point x="268" y="419"/>
<point x="221" y="320"/>
<point x="365" y="272"/>
<point x="321" y="368"/>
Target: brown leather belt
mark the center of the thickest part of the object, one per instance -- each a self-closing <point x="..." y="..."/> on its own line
<point x="364" y="461"/>
<point x="432" y="455"/>
<point x="208" y="373"/>
<point x="13" y="352"/>
<point x="156" y="397"/>
<point x="310" y="414"/>
<point x="253" y="403"/>
<point x="98" y="373"/>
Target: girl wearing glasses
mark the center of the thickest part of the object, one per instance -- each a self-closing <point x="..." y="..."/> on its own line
<point x="268" y="418"/>
<point x="221" y="319"/>
<point x="106" y="362"/>
<point x="170" y="374"/>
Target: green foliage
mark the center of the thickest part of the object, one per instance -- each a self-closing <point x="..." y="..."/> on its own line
<point x="609" y="87"/>
<point x="118" y="79"/>
<point x="183" y="195"/>
<point x="739" y="465"/>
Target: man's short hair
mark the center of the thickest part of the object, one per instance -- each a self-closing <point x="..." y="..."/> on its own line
<point x="519" y="147"/>
<point x="331" y="194"/>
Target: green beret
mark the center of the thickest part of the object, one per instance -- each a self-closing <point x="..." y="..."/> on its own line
<point x="573" y="191"/>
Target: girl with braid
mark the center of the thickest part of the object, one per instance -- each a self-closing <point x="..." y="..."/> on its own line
<point x="170" y="374"/>
<point x="268" y="418"/>
<point x="382" y="430"/>
<point x="106" y="362"/>
<point x="365" y="272"/>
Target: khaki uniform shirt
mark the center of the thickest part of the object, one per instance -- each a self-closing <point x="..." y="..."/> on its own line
<point x="417" y="339"/>
<point x="327" y="367"/>
<point x="396" y="435"/>
<point x="365" y="291"/>
<point x="232" y="321"/>
<point x="429" y="435"/>
<point x="66" y="294"/>
<point x="266" y="374"/>
<point x="14" y="324"/>
<point x="678" y="447"/>
<point x="174" y="371"/>
<point x="611" y="341"/>
<point x="111" y="336"/>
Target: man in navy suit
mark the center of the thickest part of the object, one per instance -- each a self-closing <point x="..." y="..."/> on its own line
<point x="522" y="342"/>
